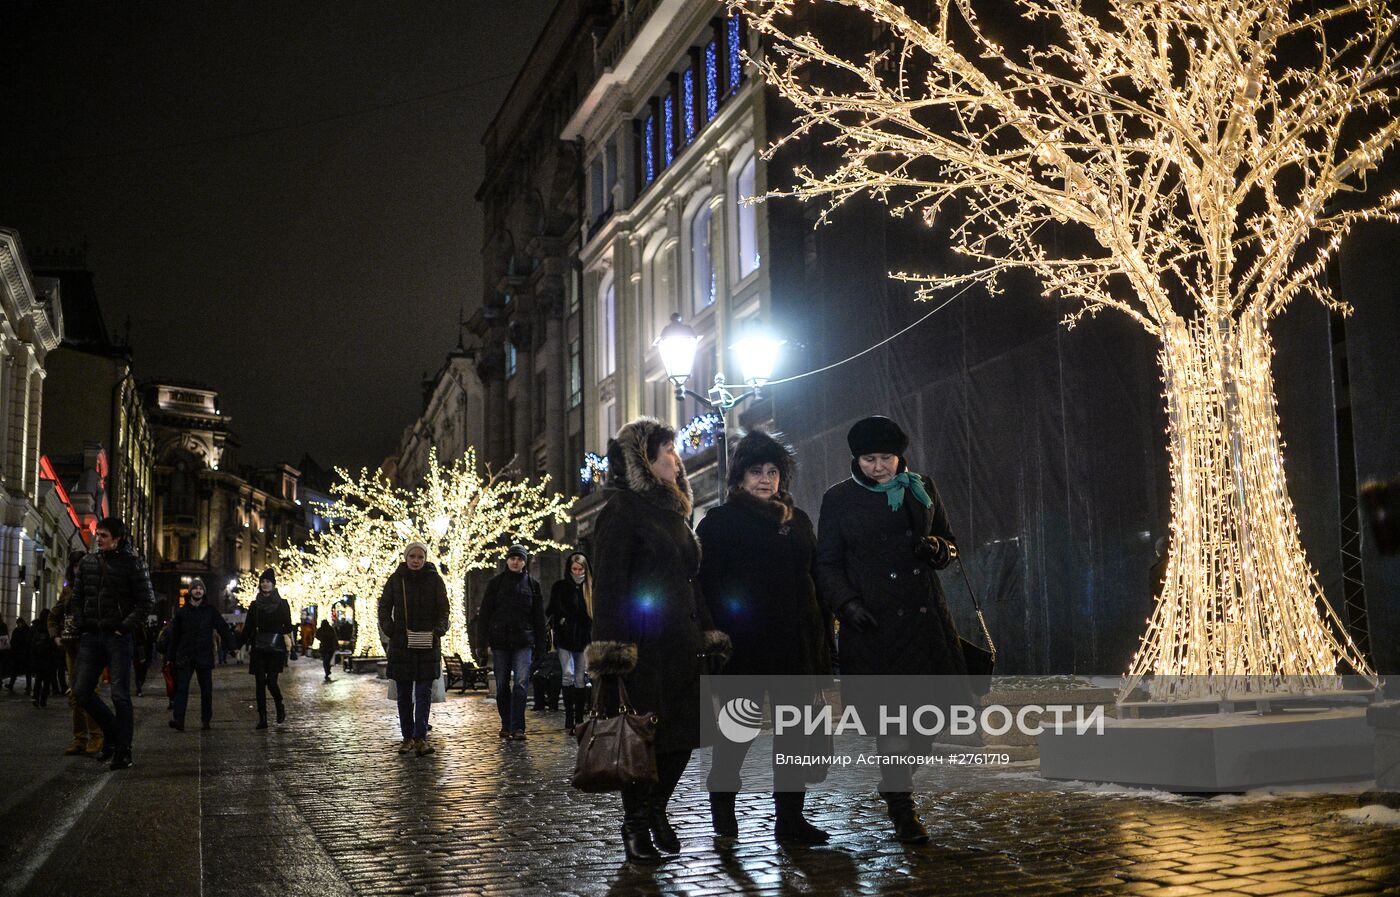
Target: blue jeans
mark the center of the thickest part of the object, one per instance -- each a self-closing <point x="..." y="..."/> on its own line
<point x="510" y="700"/>
<point x="95" y="651"/>
<point x="415" y="700"/>
<point x="182" y="692"/>
<point x="571" y="662"/>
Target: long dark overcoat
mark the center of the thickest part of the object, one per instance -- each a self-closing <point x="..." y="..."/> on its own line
<point x="646" y="603"/>
<point x="413" y="599"/>
<point x="866" y="550"/>
<point x="757" y="578"/>
<point x="271" y="614"/>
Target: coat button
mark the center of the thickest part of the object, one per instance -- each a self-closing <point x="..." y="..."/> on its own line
<point x="923" y="610"/>
<point x="894" y="576"/>
<point x="899" y="613"/>
<point x="917" y="571"/>
<point x="909" y="532"/>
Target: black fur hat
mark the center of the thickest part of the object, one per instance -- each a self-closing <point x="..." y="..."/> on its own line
<point x="758" y="447"/>
<point x="877" y="436"/>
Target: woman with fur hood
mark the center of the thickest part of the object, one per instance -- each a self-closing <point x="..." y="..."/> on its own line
<point x="756" y="571"/>
<point x="650" y="625"/>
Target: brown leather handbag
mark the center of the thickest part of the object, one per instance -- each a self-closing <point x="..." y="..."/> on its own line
<point x="615" y="751"/>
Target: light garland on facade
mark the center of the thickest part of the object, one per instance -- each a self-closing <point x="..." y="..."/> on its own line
<point x="465" y="517"/>
<point x="1176" y="139"/>
<point x="699" y="434"/>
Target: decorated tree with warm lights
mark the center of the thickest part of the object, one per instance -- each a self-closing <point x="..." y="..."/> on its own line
<point x="467" y="519"/>
<point x="1205" y="159"/>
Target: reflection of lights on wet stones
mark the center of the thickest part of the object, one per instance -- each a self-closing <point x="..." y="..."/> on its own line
<point x="740" y="720"/>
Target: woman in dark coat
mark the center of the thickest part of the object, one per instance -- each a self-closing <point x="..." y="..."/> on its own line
<point x="883" y="533"/>
<point x="413" y="620"/>
<point x="43" y="659"/>
<point x="327" y="642"/>
<point x="757" y="558"/>
<point x="570" y="615"/>
<point x="269" y="619"/>
<point x="20" y="652"/>
<point x="649" y="623"/>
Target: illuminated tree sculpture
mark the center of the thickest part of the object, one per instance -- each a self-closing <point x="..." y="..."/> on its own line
<point x="466" y="518"/>
<point x="1198" y="151"/>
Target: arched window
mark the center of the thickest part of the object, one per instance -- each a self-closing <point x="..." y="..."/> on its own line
<point x="746" y="219"/>
<point x="702" y="266"/>
<point x="607" y="327"/>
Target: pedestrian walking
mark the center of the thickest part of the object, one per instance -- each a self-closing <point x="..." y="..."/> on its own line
<point x="113" y="596"/>
<point x="413" y="619"/>
<point x="511" y="622"/>
<point x="191" y="649"/>
<point x="144" y="648"/>
<point x="21" y="649"/>
<point x="758" y="552"/>
<point x="327" y="641"/>
<point x="4" y="651"/>
<point x="43" y="659"/>
<point x="264" y="632"/>
<point x="63" y="622"/>
<point x="570" y="616"/>
<point x="650" y="626"/>
<point x="882" y="534"/>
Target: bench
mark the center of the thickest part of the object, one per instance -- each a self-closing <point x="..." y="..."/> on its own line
<point x="463" y="674"/>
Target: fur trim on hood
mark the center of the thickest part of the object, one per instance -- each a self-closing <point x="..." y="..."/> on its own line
<point x="629" y="467"/>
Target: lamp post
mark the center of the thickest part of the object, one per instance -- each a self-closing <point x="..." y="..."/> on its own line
<point x="758" y="355"/>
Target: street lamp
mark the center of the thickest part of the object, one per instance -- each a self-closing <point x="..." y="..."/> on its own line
<point x="758" y="356"/>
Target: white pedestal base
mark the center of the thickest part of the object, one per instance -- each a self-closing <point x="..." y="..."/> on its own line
<point x="1216" y="752"/>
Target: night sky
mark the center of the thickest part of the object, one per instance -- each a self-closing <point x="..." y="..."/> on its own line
<point x="278" y="195"/>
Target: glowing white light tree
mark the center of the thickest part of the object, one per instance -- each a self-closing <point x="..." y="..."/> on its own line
<point x="1195" y="154"/>
<point x="466" y="518"/>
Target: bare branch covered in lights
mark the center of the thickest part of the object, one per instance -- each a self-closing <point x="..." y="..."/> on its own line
<point x="1191" y="164"/>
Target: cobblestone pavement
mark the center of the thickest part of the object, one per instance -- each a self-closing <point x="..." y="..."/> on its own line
<point x="324" y="806"/>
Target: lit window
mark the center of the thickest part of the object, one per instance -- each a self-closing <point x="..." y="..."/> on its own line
<point x="510" y="359"/>
<point x="711" y="80"/>
<point x="668" y="130"/>
<point x="746" y="218"/>
<point x="575" y="372"/>
<point x="731" y="42"/>
<point x="649" y="149"/>
<point x="688" y="104"/>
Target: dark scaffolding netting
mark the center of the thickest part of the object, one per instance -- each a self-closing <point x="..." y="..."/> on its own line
<point x="1047" y="444"/>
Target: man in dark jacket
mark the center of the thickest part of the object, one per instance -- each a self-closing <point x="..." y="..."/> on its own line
<point x="191" y="649"/>
<point x="511" y="622"/>
<point x="113" y="596"/>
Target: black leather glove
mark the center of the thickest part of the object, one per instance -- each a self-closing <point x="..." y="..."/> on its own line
<point x="937" y="551"/>
<point x="854" y="615"/>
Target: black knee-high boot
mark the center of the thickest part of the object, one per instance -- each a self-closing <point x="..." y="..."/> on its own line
<point x="669" y="767"/>
<point x="908" y="828"/>
<point x="636" y="827"/>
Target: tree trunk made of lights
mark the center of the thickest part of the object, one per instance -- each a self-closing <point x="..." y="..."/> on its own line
<point x="1240" y="602"/>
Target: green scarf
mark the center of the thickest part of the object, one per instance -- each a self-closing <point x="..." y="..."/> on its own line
<point x="894" y="489"/>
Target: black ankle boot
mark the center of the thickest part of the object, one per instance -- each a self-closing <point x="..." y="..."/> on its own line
<point x="281" y="713"/>
<point x="262" y="721"/>
<point x="722" y="817"/>
<point x="908" y="829"/>
<point x="636" y="827"/>
<point x="789" y="823"/>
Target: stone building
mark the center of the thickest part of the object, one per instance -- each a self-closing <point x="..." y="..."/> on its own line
<point x="451" y="420"/>
<point x="214" y="520"/>
<point x="31" y="326"/>
<point x="95" y="408"/>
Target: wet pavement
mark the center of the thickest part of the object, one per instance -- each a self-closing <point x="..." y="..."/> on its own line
<point x="323" y="805"/>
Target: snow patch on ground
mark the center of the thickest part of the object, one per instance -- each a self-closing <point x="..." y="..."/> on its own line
<point x="1373" y="814"/>
<point x="1283" y="792"/>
